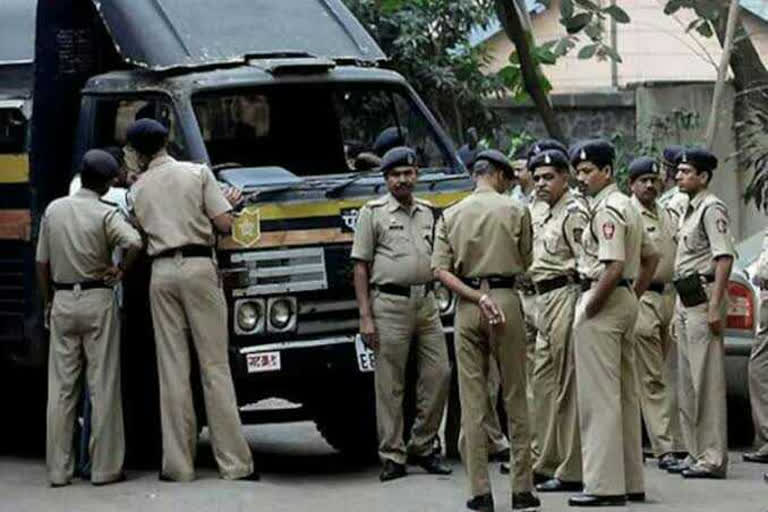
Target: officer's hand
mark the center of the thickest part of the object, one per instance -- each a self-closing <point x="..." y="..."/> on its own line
<point x="113" y="275"/>
<point x="591" y="310"/>
<point x="368" y="333"/>
<point x="714" y="320"/>
<point x="491" y="311"/>
<point x="233" y="195"/>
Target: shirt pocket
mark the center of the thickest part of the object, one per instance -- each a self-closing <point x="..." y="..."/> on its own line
<point x="397" y="240"/>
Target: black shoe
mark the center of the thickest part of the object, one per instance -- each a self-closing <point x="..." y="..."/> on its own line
<point x="636" y="496"/>
<point x="504" y="468"/>
<point x="540" y="478"/>
<point x="590" y="500"/>
<point x="524" y="501"/>
<point x="432" y="464"/>
<point x="118" y="479"/>
<point x="56" y="485"/>
<point x="483" y="503"/>
<point x="391" y="471"/>
<point x="667" y="460"/>
<point x="557" y="485"/>
<point x="254" y="476"/>
<point x="695" y="472"/>
<point x="500" y="456"/>
<point x="765" y="477"/>
<point x="761" y="458"/>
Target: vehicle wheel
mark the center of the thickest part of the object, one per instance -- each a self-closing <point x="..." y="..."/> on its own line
<point x="347" y="421"/>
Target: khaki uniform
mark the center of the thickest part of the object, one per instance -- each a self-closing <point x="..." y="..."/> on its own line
<point x="609" y="405"/>
<point x="556" y="249"/>
<point x="703" y="235"/>
<point x="758" y="363"/>
<point x="652" y="339"/>
<point x="489" y="234"/>
<point x="186" y="295"/>
<point x="398" y="245"/>
<point x="77" y="236"/>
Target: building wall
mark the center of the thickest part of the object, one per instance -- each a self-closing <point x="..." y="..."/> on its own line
<point x="653" y="46"/>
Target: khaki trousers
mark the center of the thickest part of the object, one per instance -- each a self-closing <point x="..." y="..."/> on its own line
<point x="672" y="375"/>
<point x="652" y="343"/>
<point x="185" y="294"/>
<point x="702" y="388"/>
<point x="85" y="325"/>
<point x="399" y="320"/>
<point x="609" y="405"/>
<point x="554" y="381"/>
<point x="530" y="316"/>
<point x="758" y="379"/>
<point x="497" y="441"/>
<point x="476" y="343"/>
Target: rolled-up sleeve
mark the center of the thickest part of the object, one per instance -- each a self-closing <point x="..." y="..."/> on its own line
<point x="214" y="201"/>
<point x="43" y="249"/>
<point x="364" y="242"/>
<point x="442" y="254"/>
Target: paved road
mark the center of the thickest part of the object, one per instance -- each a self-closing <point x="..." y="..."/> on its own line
<point x="301" y="473"/>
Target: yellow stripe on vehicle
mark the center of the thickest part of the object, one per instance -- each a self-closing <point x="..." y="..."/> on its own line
<point x="299" y="210"/>
<point x="14" y="168"/>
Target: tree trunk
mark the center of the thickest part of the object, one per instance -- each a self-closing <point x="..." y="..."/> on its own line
<point x="510" y="17"/>
<point x="750" y="80"/>
<point x="722" y="72"/>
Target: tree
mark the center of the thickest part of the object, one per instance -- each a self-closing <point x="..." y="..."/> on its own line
<point x="428" y="42"/>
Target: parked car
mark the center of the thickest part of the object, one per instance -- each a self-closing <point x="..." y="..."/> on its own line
<point x="741" y="326"/>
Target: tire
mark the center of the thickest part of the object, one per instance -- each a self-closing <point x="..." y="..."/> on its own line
<point x="347" y="421"/>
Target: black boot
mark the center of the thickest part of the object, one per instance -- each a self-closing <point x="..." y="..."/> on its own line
<point x="482" y="503"/>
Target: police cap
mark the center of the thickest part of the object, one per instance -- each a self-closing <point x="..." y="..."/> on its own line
<point x="642" y="166"/>
<point x="389" y="138"/>
<point x="544" y="145"/>
<point x="99" y="165"/>
<point x="700" y="158"/>
<point x="549" y="157"/>
<point x="498" y="159"/>
<point x="598" y="151"/>
<point x="671" y="153"/>
<point x="147" y="136"/>
<point x="401" y="156"/>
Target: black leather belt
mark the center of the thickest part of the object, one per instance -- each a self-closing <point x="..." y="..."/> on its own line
<point x="586" y="284"/>
<point x="85" y="285"/>
<point x="187" y="251"/>
<point x="656" y="287"/>
<point x="547" y="285"/>
<point x="402" y="291"/>
<point x="493" y="281"/>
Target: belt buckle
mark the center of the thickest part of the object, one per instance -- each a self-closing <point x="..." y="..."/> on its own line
<point x="77" y="289"/>
<point x="178" y="256"/>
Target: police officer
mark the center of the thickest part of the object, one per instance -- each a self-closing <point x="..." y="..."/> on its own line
<point x="673" y="199"/>
<point x="74" y="251"/>
<point x="702" y="266"/>
<point x="177" y="205"/>
<point x="651" y="333"/>
<point x="556" y="250"/>
<point x="483" y="243"/>
<point x="393" y="285"/>
<point x="758" y="366"/>
<point x="618" y="256"/>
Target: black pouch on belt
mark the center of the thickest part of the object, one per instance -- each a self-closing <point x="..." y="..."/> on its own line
<point x="691" y="290"/>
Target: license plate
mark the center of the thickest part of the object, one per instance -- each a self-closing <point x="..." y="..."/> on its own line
<point x="366" y="359"/>
<point x="263" y="362"/>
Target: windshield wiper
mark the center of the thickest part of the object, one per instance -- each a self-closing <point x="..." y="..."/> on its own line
<point x="255" y="196"/>
<point x="336" y="190"/>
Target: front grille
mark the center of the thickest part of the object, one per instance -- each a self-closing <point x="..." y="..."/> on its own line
<point x="327" y="317"/>
<point x="282" y="271"/>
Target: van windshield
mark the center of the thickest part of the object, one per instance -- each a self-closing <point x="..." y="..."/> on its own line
<point x="314" y="129"/>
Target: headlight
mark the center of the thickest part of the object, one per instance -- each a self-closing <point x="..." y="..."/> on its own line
<point x="249" y="316"/>
<point x="444" y="299"/>
<point x="282" y="314"/>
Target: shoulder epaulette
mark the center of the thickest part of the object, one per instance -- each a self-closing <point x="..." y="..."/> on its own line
<point x="424" y="202"/>
<point x="110" y="203"/>
<point x="375" y="203"/>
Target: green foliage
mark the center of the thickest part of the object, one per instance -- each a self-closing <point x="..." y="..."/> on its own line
<point x="427" y="42"/>
<point x="707" y="14"/>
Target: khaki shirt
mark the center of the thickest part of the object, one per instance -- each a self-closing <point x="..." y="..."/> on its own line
<point x="675" y="202"/>
<point x="485" y="234"/>
<point x="78" y="234"/>
<point x="703" y="235"/>
<point x="396" y="241"/>
<point x="174" y="203"/>
<point x="615" y="234"/>
<point x="762" y="262"/>
<point x="660" y="225"/>
<point x="557" y="238"/>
